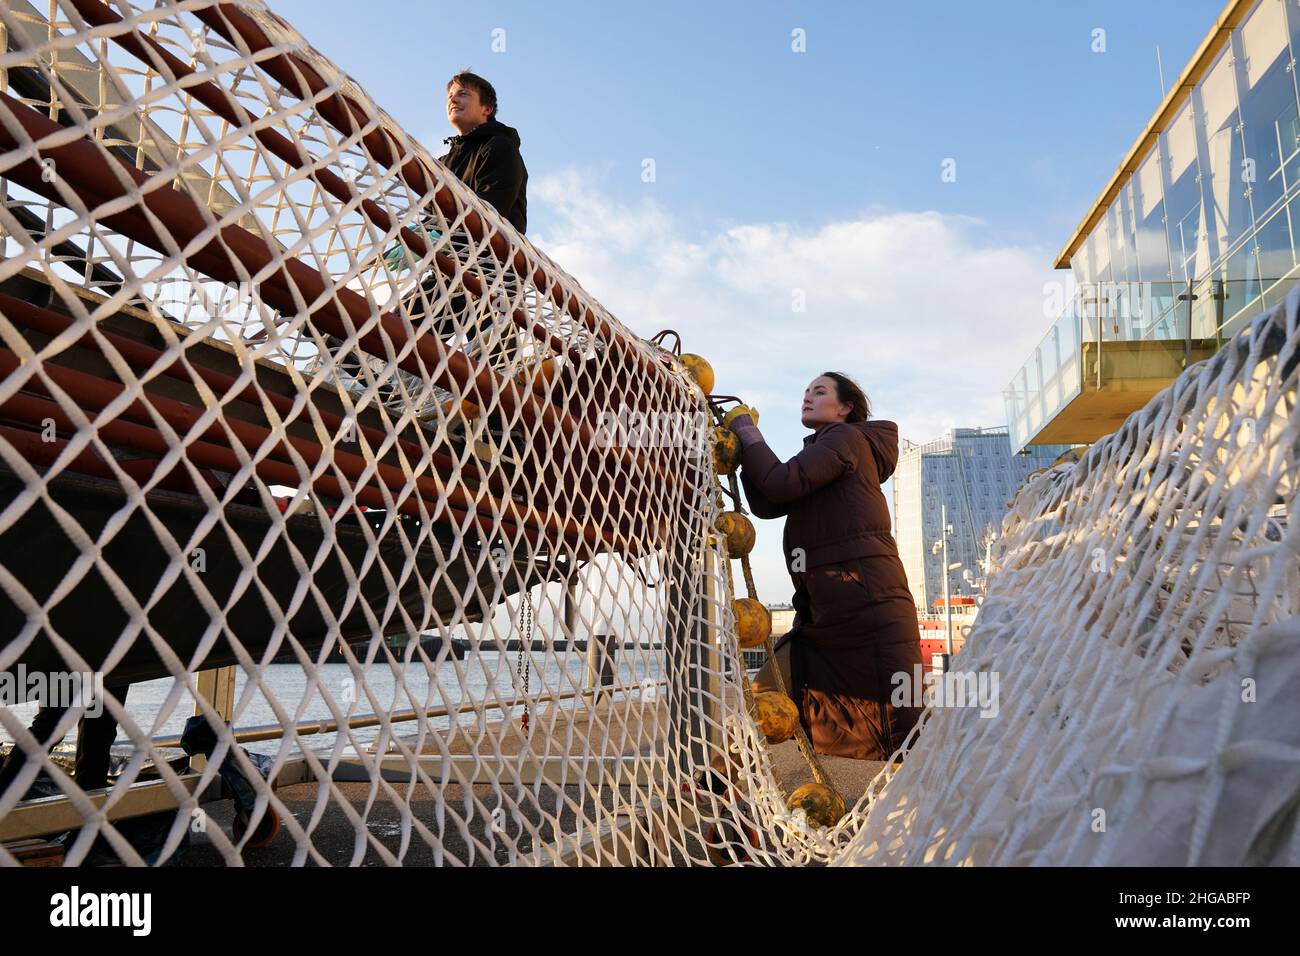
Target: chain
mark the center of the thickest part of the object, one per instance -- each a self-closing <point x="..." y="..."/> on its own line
<point x="522" y="668"/>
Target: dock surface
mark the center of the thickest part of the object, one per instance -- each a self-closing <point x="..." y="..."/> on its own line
<point x="555" y="730"/>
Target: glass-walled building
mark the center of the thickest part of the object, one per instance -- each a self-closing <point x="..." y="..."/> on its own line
<point x="971" y="472"/>
<point x="1197" y="232"/>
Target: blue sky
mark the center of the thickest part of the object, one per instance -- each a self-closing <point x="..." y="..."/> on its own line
<point x="816" y="173"/>
<point x="743" y="129"/>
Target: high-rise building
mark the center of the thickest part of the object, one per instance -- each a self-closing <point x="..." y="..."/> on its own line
<point x="973" y="472"/>
<point x="1192" y="237"/>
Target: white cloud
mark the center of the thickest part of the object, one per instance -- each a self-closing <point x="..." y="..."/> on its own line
<point x="931" y="315"/>
<point x="929" y="312"/>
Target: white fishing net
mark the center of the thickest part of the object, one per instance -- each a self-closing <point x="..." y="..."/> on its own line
<point x="1143" y="621"/>
<point x="298" y="435"/>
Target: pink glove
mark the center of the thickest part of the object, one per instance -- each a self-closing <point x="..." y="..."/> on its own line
<point x="746" y="430"/>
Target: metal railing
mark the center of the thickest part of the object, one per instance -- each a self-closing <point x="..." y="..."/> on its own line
<point x="55" y="814"/>
<point x="307" y="728"/>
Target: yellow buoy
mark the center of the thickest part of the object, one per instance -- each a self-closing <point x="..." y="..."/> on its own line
<point x="777" y="716"/>
<point x="739" y="532"/>
<point x="822" y="806"/>
<point x="734" y="413"/>
<point x="726" y="450"/>
<point x="753" y="622"/>
<point x="700" y="370"/>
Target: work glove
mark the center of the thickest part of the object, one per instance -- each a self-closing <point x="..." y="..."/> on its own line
<point x="746" y="431"/>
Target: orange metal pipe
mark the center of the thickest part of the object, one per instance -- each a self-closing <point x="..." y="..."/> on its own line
<point x="95" y="393"/>
<point x="235" y="253"/>
<point x="142" y="356"/>
<point x="150" y="52"/>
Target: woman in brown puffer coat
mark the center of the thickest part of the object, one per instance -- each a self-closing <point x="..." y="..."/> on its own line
<point x="855" y="621"/>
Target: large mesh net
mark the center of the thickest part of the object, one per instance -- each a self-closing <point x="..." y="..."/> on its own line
<point x="391" y="545"/>
<point x="1143" y="621"/>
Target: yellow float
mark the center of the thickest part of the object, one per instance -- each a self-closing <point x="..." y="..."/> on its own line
<point x="726" y="450"/>
<point x="700" y="370"/>
<point x="738" y="531"/>
<point x="777" y="716"/>
<point x="822" y="806"/>
<point x="753" y="622"/>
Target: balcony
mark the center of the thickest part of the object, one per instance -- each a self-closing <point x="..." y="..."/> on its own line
<point x="1116" y="346"/>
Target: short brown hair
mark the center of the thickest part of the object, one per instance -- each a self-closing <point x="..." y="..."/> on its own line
<point x="472" y="81"/>
<point x="849" y="393"/>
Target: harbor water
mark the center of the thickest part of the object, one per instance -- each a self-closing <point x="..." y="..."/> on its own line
<point x="161" y="707"/>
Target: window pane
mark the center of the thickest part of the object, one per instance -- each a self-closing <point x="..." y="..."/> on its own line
<point x="1275" y="247"/>
<point x="1242" y="285"/>
<point x="1183" y="194"/>
<point x="1268" y="103"/>
<point x="1099" y="252"/>
<point x="1149" y="209"/>
<point x="1263" y="36"/>
<point x="1081" y="265"/>
<point x="1229" y="208"/>
<point x="1122" y="266"/>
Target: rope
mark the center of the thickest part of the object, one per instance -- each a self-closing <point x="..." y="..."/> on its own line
<point x="805" y="745"/>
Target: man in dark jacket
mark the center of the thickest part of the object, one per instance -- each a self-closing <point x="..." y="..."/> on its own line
<point x="484" y="153"/>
